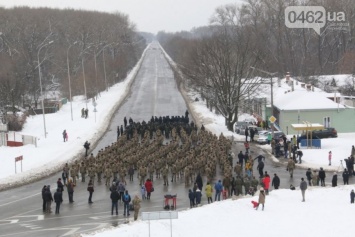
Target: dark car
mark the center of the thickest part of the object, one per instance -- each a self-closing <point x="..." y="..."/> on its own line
<point x="325" y="133"/>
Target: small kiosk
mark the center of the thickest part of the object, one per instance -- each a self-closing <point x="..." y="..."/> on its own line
<point x="307" y="128"/>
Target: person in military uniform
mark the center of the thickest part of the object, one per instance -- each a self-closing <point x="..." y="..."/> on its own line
<point x="165" y="173"/>
<point x="247" y="184"/>
<point x="136" y="206"/>
<point x="91" y="172"/>
<point x="142" y="174"/>
<point x="254" y="183"/>
<point x="82" y="171"/>
<point x="239" y="185"/>
<point x="108" y="175"/>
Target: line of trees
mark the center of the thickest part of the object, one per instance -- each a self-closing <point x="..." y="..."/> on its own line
<point x="217" y="59"/>
<point x="86" y="44"/>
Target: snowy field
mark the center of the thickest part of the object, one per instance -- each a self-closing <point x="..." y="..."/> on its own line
<point x="322" y="214"/>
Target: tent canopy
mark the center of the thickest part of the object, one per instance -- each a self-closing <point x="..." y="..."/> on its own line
<point x="306" y="126"/>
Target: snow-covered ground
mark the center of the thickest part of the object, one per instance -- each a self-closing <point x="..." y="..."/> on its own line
<point x="324" y="213"/>
<point x="234" y="216"/>
<point x="52" y="152"/>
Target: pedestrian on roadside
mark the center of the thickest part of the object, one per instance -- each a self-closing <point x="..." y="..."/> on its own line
<point x="198" y="196"/>
<point x="143" y="192"/>
<point x="266" y="182"/>
<point x="136" y="206"/>
<point x="60" y="185"/>
<point x="148" y="187"/>
<point x="345" y="176"/>
<point x="121" y="188"/>
<point x="70" y="189"/>
<point x="209" y="191"/>
<point x="126" y="201"/>
<point x="246" y="133"/>
<point x="90" y="190"/>
<point x="64" y="135"/>
<point x="44" y="201"/>
<point x="114" y="198"/>
<point x="321" y="175"/>
<point x="335" y="179"/>
<point x="262" y="198"/>
<point x="48" y="198"/>
<point x="330" y="158"/>
<point x="303" y="187"/>
<point x="352" y="196"/>
<point x="276" y="181"/>
<point x="86" y="113"/>
<point x="58" y="199"/>
<point x="299" y="155"/>
<point x="309" y="176"/>
<point x="218" y="187"/>
<point x="191" y="198"/>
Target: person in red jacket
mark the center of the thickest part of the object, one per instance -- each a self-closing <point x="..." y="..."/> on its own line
<point x="266" y="182"/>
<point x="148" y="187"/>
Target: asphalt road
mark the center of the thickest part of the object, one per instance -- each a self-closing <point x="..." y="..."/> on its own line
<point x="154" y="92"/>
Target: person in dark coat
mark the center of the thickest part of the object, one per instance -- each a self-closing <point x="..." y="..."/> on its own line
<point x="125" y="122"/>
<point x="246" y="133"/>
<point x="276" y="181"/>
<point x="87" y="147"/>
<point x="241" y="158"/>
<point x="60" y="185"/>
<point x="260" y="168"/>
<point x="199" y="181"/>
<point x="44" y="202"/>
<point x="335" y="179"/>
<point x="321" y="175"/>
<point x="121" y="130"/>
<point x="252" y="134"/>
<point x="118" y="132"/>
<point x="48" y="198"/>
<point x="198" y="196"/>
<point x="114" y="198"/>
<point x="346" y="176"/>
<point x="58" y="199"/>
<point x="192" y="198"/>
<point x="309" y="176"/>
<point x="352" y="196"/>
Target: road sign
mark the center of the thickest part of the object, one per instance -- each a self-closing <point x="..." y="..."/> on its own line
<point x="19" y="158"/>
<point x="272" y="119"/>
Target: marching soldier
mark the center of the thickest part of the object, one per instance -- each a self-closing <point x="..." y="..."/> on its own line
<point x="82" y="171"/>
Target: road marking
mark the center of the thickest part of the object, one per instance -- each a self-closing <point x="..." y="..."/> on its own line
<point x="39" y="217"/>
<point x="5" y="204"/>
<point x="10" y="221"/>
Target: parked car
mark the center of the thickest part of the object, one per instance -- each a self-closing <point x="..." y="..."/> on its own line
<point x="262" y="139"/>
<point x="325" y="133"/>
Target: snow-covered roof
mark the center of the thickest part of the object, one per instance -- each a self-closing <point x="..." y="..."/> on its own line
<point x="308" y="100"/>
<point x="299" y="99"/>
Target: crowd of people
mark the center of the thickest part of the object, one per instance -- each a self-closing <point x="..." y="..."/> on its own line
<point x="171" y="149"/>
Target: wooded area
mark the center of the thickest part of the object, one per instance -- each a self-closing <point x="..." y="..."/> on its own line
<point x="217" y="59"/>
<point x="51" y="45"/>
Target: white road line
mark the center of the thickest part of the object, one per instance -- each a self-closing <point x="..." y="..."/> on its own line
<point x="5" y="204"/>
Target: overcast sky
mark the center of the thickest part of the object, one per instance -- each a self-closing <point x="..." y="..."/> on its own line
<point x="148" y="15"/>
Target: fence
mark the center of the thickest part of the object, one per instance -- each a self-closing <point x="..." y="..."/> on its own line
<point x="27" y="139"/>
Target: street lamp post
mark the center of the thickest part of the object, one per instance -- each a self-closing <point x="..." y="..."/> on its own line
<point x="71" y="104"/>
<point x="40" y="83"/>
<point x="103" y="56"/>
<point x="272" y="93"/>
<point x="82" y="64"/>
